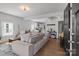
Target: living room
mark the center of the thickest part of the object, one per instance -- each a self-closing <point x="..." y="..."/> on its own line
<point x="35" y="18"/>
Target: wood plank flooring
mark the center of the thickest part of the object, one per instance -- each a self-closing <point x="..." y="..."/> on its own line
<point x="51" y="48"/>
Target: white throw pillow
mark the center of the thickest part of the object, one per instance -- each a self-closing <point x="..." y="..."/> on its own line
<point x="25" y="37"/>
<point x="22" y="32"/>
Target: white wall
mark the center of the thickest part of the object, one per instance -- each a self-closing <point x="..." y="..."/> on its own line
<point x="52" y="27"/>
<point x="49" y="21"/>
<point x="25" y="25"/>
<point x="28" y="24"/>
<point x="18" y="23"/>
<point x="53" y="21"/>
<point x="22" y="24"/>
<point x="0" y="28"/>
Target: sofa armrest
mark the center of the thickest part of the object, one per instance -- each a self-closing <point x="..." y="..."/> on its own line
<point x="22" y="48"/>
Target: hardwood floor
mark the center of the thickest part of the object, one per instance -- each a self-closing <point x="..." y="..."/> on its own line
<point x="51" y="48"/>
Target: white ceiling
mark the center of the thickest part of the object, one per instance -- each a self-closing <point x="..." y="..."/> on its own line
<point x="36" y="9"/>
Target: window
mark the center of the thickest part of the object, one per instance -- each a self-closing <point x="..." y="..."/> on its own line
<point x="7" y="28"/>
<point x="33" y="26"/>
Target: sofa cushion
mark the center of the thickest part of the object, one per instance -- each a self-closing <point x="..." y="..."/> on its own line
<point x="31" y="38"/>
<point x="36" y="38"/>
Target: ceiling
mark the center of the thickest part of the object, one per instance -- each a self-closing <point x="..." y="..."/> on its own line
<point x="36" y="9"/>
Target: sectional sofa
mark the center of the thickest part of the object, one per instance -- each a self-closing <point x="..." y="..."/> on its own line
<point x="30" y="43"/>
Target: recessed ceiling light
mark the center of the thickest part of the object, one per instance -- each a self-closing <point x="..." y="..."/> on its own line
<point x="24" y="8"/>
